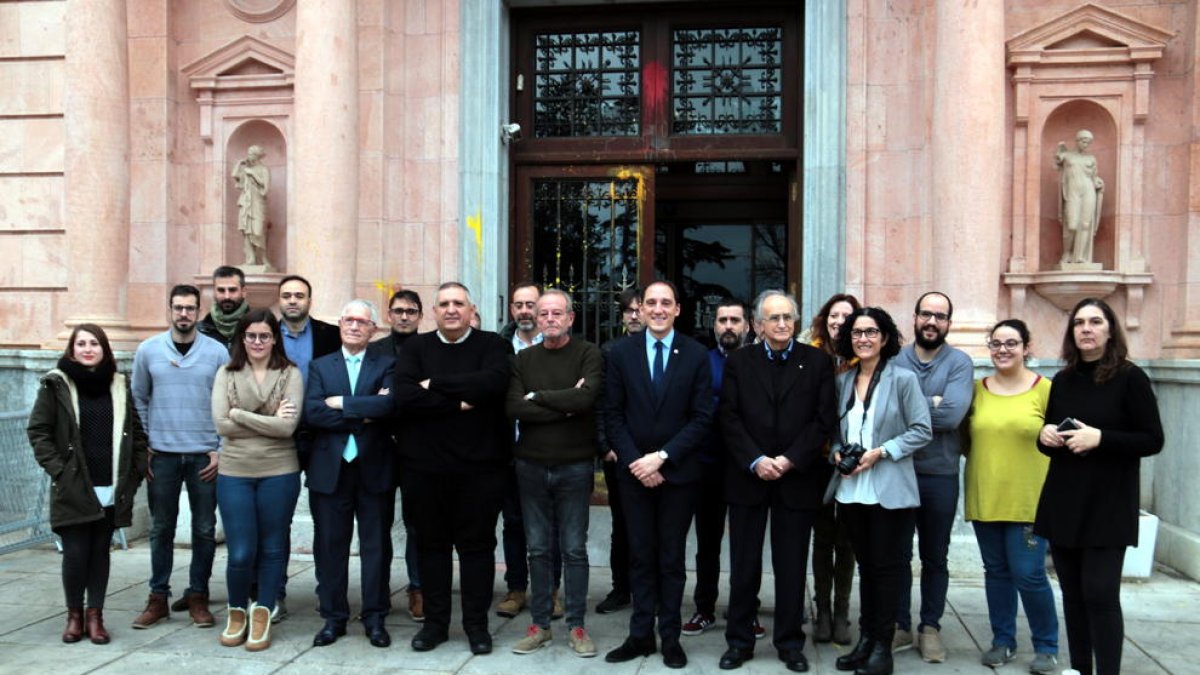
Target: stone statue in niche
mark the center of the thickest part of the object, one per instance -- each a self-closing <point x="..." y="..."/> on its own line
<point x="1081" y="197"/>
<point x="253" y="178"/>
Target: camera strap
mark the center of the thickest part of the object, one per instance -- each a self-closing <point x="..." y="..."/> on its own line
<point x="866" y="399"/>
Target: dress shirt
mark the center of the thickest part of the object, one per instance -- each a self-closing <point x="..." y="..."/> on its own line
<point x="299" y="346"/>
<point x="667" y="342"/>
<point x="353" y="365"/>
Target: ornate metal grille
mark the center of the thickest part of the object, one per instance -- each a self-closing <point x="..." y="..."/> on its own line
<point x="727" y="81"/>
<point x="587" y="84"/>
<point x="585" y="242"/>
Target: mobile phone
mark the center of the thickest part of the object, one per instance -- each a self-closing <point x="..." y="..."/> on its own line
<point x="1068" y="424"/>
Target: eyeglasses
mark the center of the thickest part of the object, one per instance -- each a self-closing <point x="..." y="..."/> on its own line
<point x="184" y="309"/>
<point x="940" y="317"/>
<point x="405" y="311"/>
<point x="869" y="333"/>
<point x="263" y="338"/>
<point x="1006" y="345"/>
<point x="355" y="321"/>
<point x="780" y="318"/>
<point x="630" y="310"/>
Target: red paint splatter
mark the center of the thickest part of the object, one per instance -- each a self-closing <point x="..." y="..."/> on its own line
<point x="654" y="89"/>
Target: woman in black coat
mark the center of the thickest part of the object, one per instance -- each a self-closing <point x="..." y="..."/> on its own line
<point x="85" y="433"/>
<point x="1102" y="418"/>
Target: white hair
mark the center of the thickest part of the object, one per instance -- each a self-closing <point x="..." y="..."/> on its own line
<point x="774" y="293"/>
<point x="359" y="303"/>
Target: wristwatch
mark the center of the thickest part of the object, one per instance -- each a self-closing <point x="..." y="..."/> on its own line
<point x="883" y="453"/>
<point x="662" y="454"/>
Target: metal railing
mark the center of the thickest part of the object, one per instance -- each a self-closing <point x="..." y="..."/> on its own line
<point x="24" y="488"/>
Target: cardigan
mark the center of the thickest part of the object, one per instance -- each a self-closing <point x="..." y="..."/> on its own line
<point x="257" y="444"/>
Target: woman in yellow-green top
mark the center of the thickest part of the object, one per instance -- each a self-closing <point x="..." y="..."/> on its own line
<point x="1003" y="482"/>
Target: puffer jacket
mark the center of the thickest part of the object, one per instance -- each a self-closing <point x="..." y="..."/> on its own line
<point x="54" y="434"/>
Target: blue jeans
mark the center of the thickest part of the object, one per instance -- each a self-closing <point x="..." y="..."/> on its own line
<point x="516" y="549"/>
<point x="171" y="472"/>
<point x="935" y="519"/>
<point x="555" y="497"/>
<point x="257" y="513"/>
<point x="1014" y="561"/>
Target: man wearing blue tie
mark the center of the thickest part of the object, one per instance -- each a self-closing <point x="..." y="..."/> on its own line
<point x="350" y="474"/>
<point x="658" y="408"/>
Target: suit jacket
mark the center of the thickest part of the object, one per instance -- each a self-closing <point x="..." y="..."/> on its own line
<point x="794" y="422"/>
<point x="331" y="428"/>
<point x="901" y="425"/>
<point x="327" y="338"/>
<point x="638" y="421"/>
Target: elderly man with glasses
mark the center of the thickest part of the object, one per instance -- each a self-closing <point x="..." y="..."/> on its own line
<point x="351" y="470"/>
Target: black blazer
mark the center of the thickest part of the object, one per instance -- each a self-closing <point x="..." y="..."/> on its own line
<point x="638" y="422"/>
<point x="796" y="424"/>
<point x="327" y="338"/>
<point x="331" y="428"/>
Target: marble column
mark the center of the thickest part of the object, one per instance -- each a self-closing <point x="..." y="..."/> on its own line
<point x="968" y="163"/>
<point x="96" y="166"/>
<point x="326" y="149"/>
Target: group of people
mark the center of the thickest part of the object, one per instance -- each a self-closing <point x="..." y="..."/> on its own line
<point x="840" y="433"/>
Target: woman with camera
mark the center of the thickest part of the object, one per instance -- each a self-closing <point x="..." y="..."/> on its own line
<point x="1003" y="479"/>
<point x="1101" y="419"/>
<point x="833" y="556"/>
<point x="884" y="420"/>
<point x="86" y="434"/>
<point x="255" y="407"/>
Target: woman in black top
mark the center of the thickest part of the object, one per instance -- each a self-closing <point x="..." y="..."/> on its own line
<point x="1088" y="510"/>
<point x="85" y="433"/>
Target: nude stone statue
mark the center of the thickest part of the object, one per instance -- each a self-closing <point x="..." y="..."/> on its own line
<point x="1080" y="198"/>
<point x="253" y="178"/>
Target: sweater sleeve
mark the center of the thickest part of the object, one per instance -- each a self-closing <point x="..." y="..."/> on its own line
<point x="1141" y="406"/>
<point x="270" y="425"/>
<point x="575" y="400"/>
<point x="956" y="399"/>
<point x="227" y="427"/>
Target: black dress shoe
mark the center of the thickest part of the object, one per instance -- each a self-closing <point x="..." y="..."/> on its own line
<point x="328" y="634"/>
<point x="857" y="656"/>
<point x="879" y="662"/>
<point x="427" y="638"/>
<point x="673" y="656"/>
<point x="630" y="649"/>
<point x="614" y="601"/>
<point x="734" y="657"/>
<point x="794" y="660"/>
<point x="480" y="642"/>
<point x="379" y="636"/>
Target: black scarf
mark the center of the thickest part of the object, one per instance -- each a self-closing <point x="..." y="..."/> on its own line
<point x="91" y="382"/>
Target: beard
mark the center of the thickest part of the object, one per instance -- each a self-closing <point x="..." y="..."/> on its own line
<point x="228" y="306"/>
<point x="930" y="343"/>
<point x="184" y="329"/>
<point x="729" y="341"/>
<point x="526" y="324"/>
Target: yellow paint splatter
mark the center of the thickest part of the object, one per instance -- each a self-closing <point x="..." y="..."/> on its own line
<point x="638" y="174"/>
<point x="475" y="224"/>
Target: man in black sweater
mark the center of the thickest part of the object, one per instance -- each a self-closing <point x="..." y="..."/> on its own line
<point x="552" y="394"/>
<point x="455" y="450"/>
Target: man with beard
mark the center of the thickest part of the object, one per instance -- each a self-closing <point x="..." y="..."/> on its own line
<point x="229" y="304"/>
<point x="172" y="382"/>
<point x="658" y="410"/>
<point x="304" y="338"/>
<point x="730" y="329"/>
<point x="947" y="381"/>
<point x="405" y="310"/>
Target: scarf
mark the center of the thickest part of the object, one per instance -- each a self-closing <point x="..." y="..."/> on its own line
<point x="91" y="382"/>
<point x="226" y="323"/>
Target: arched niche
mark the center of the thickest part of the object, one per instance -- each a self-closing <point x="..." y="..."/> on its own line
<point x="270" y="138"/>
<point x="1061" y="126"/>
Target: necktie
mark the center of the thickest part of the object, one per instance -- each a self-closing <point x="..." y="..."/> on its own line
<point x="352" y="365"/>
<point x="657" y="373"/>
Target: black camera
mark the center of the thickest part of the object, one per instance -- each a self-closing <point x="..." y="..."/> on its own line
<point x="851" y="455"/>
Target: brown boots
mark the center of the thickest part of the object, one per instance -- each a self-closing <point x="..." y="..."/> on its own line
<point x="198" y="610"/>
<point x="156" y="610"/>
<point x="74" y="630"/>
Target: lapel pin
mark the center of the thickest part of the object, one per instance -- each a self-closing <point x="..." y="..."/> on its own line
<point x="674" y="351"/>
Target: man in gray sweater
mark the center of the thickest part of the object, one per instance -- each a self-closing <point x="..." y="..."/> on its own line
<point x="553" y="395"/>
<point x="947" y="380"/>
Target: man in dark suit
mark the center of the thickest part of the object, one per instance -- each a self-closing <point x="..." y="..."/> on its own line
<point x="304" y="338"/>
<point x="777" y="411"/>
<point x="350" y="474"/>
<point x="658" y="409"/>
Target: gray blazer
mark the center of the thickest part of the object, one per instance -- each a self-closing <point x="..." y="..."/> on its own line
<point x="902" y="421"/>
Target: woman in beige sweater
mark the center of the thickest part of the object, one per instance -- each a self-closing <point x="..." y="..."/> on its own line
<point x="255" y="405"/>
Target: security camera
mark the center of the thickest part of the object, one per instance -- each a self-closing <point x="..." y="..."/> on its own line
<point x="510" y="133"/>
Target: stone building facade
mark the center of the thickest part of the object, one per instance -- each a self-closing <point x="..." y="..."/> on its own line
<point x="883" y="148"/>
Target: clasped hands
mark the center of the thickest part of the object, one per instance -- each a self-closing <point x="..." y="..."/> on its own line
<point x="772" y="468"/>
<point x="1078" y="441"/>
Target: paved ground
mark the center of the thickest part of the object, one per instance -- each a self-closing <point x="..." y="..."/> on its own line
<point x="1161" y="617"/>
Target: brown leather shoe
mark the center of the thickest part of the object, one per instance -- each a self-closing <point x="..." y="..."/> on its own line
<point x="156" y="610"/>
<point x="416" y="606"/>
<point x="198" y="610"/>
<point x="74" y="630"/>
<point x="95" y="626"/>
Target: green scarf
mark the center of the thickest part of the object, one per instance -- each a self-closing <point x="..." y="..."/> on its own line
<point x="226" y="323"/>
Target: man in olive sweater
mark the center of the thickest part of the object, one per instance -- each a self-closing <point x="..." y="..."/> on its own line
<point x="552" y="394"/>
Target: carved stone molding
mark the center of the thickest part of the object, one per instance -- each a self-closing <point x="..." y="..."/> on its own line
<point x="259" y="11"/>
<point x="1092" y="64"/>
<point x="245" y="72"/>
